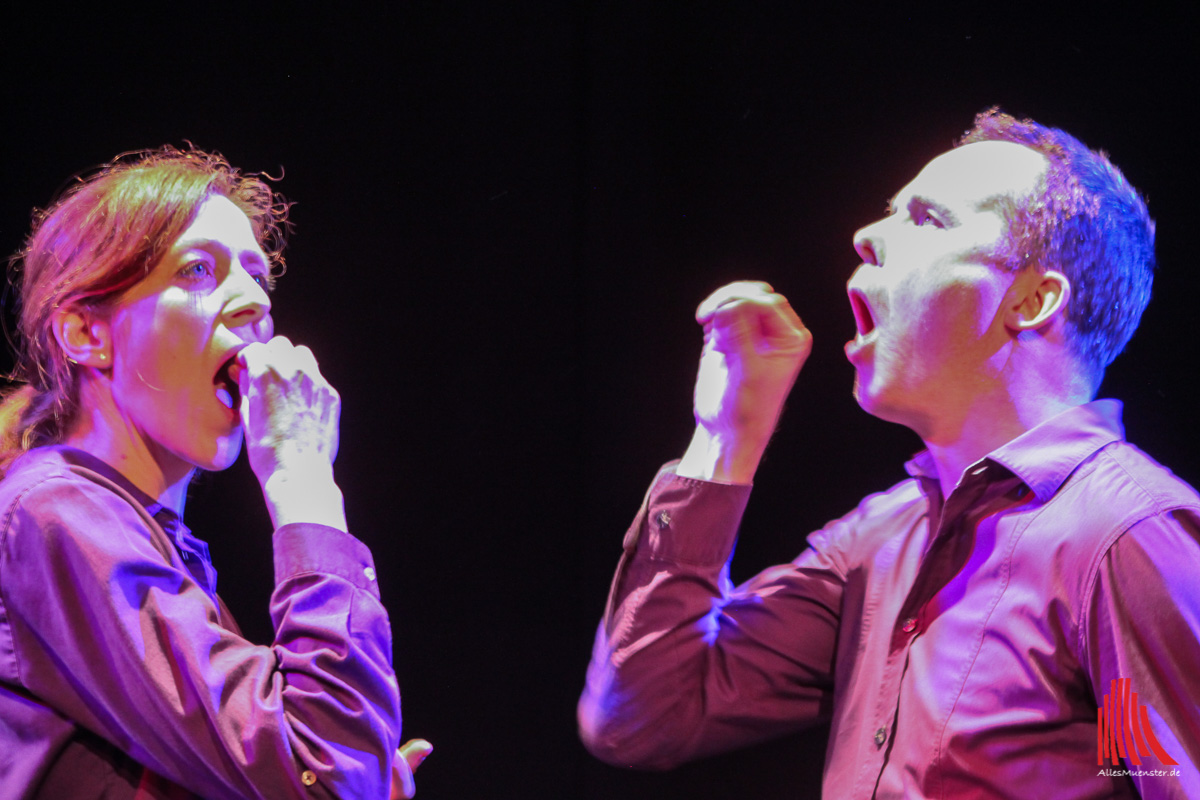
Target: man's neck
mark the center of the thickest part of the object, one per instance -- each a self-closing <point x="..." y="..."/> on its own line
<point x="955" y="443"/>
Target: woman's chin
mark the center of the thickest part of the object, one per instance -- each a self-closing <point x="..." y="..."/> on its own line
<point x="225" y="453"/>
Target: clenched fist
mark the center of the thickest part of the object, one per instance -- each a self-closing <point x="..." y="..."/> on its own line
<point x="754" y="347"/>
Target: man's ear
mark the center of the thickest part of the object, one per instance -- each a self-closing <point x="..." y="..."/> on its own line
<point x="84" y="336"/>
<point x="1041" y="296"/>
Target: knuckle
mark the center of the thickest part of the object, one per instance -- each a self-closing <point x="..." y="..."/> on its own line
<point x="727" y="313"/>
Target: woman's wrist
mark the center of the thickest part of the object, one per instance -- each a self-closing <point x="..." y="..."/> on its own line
<point x="305" y="495"/>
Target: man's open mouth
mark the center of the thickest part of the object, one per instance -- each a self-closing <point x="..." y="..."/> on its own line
<point x="864" y="319"/>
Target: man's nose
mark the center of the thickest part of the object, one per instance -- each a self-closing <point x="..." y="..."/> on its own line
<point x="870" y="246"/>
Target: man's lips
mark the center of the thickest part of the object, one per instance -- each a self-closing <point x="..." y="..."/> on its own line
<point x="866" y="329"/>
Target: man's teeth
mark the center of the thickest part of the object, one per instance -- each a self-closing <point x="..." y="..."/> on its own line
<point x="225" y="397"/>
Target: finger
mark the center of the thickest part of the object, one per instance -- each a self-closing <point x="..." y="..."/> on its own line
<point x="258" y="356"/>
<point x="744" y="324"/>
<point x="404" y="787"/>
<point x="408" y="758"/>
<point x="734" y="327"/>
<point x="415" y="751"/>
<point x="783" y="320"/>
<point x="739" y="290"/>
<point x="278" y="355"/>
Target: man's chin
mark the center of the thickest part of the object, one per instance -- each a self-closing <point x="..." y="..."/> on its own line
<point x="866" y="400"/>
<point x="874" y="402"/>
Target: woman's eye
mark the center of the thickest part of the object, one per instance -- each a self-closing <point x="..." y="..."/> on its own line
<point x="195" y="270"/>
<point x="264" y="280"/>
<point x="924" y="218"/>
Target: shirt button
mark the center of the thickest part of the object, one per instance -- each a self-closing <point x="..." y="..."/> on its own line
<point x="308" y="778"/>
<point x="909" y="625"/>
<point x="370" y="573"/>
<point x="664" y="519"/>
<point x="880" y="737"/>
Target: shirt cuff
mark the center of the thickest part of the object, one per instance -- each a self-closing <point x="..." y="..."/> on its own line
<point x="689" y="520"/>
<point x="305" y="547"/>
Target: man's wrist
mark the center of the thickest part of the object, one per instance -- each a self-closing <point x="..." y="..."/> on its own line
<point x="713" y="457"/>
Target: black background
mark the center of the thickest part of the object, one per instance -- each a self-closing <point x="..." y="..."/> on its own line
<point x="506" y="214"/>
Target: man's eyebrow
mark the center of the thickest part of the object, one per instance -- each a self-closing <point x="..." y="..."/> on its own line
<point x="998" y="202"/>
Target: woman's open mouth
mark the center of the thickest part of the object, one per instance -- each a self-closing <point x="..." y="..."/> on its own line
<point x="226" y="382"/>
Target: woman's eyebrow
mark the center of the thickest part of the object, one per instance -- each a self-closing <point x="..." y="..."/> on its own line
<point x="218" y="245"/>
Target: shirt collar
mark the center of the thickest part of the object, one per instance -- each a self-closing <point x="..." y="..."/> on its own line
<point x="86" y="460"/>
<point x="1044" y="456"/>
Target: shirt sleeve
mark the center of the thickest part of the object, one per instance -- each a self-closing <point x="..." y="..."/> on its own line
<point x="109" y="629"/>
<point x="1142" y="624"/>
<point x="684" y="665"/>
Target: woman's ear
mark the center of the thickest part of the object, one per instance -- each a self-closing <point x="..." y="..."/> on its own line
<point x="1041" y="297"/>
<point x="84" y="336"/>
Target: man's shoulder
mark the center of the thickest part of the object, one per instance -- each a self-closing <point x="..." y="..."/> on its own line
<point x="1117" y="493"/>
<point x="1127" y="481"/>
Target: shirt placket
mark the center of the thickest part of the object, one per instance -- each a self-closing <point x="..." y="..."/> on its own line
<point x="945" y="557"/>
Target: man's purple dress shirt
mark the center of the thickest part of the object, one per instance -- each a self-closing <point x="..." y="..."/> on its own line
<point x="122" y="675"/>
<point x="960" y="649"/>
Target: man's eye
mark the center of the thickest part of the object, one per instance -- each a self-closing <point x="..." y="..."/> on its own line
<point x="925" y="218"/>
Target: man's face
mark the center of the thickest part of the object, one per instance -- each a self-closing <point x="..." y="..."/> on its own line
<point x="928" y="301"/>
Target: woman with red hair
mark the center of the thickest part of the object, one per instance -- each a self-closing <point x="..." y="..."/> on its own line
<point x="147" y="353"/>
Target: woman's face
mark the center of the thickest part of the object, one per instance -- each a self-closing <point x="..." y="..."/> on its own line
<point x="174" y="334"/>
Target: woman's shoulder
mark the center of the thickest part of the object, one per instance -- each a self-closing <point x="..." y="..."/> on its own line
<point x="46" y="489"/>
<point x="34" y="468"/>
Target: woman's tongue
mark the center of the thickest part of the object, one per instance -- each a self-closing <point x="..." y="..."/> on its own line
<point x="227" y="385"/>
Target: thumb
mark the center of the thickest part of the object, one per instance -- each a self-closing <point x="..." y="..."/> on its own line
<point x="415" y="751"/>
<point x="408" y="758"/>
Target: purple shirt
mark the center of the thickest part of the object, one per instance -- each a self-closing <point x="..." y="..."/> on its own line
<point x="123" y="676"/>
<point x="959" y="649"/>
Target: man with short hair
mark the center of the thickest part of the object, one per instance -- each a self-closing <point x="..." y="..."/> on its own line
<point x="1016" y="619"/>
